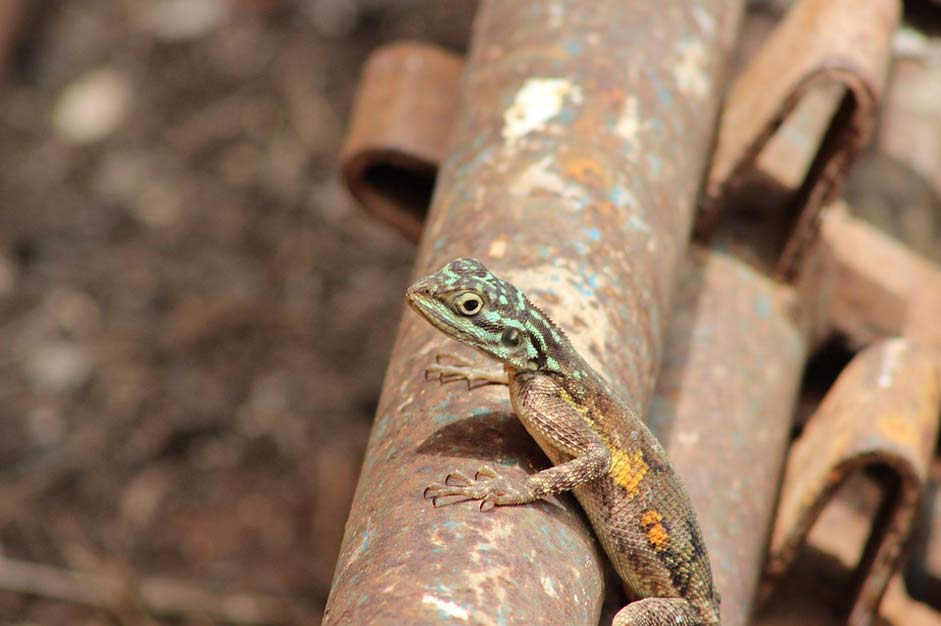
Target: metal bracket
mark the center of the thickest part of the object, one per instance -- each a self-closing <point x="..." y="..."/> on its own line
<point x="788" y="86"/>
<point x="405" y="107"/>
<point x="881" y="415"/>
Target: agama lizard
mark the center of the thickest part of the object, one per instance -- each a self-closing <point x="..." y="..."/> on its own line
<point x="600" y="448"/>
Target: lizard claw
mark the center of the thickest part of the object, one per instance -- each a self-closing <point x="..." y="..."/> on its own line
<point x="486" y="471"/>
<point x="491" y="492"/>
<point x="459" y="476"/>
<point x="430" y="489"/>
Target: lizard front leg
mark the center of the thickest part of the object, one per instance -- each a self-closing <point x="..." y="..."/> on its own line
<point x="495" y="490"/>
<point x="542" y="409"/>
<point x="461" y="369"/>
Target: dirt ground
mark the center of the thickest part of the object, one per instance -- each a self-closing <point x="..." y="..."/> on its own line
<point x="194" y="318"/>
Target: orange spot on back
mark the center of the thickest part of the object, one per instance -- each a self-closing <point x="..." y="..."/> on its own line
<point x="628" y="470"/>
<point x="656" y="532"/>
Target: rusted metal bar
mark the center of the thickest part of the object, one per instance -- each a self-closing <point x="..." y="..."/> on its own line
<point x="909" y="124"/>
<point x="880" y="288"/>
<point x="898" y="607"/>
<point x="724" y="402"/>
<point x="14" y="14"/>
<point x="405" y="108"/>
<point x="714" y="367"/>
<point x="819" y="43"/>
<point x="880" y="416"/>
<point x="923" y="573"/>
<point x="573" y="171"/>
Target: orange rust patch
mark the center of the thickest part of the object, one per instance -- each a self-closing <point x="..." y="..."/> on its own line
<point x="584" y="170"/>
<point x="628" y="470"/>
<point x="899" y="428"/>
<point x="656" y="532"/>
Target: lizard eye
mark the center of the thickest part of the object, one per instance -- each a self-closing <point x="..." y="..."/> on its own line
<point x="511" y="338"/>
<point x="468" y="304"/>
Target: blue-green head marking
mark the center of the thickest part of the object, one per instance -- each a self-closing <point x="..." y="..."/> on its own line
<point x="465" y="301"/>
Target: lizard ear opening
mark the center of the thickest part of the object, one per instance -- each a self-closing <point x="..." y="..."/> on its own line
<point x="511" y="338"/>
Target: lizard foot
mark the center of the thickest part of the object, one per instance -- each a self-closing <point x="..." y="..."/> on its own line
<point x="486" y="486"/>
<point x="462" y="370"/>
<point x="659" y="612"/>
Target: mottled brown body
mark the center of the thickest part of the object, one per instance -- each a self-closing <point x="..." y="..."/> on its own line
<point x="638" y="507"/>
<point x="599" y="447"/>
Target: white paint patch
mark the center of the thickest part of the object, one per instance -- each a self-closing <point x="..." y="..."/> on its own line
<point x="497" y="248"/>
<point x="705" y="20"/>
<point x="537" y="176"/>
<point x="628" y="125"/>
<point x="556" y="13"/>
<point x="890" y="362"/>
<point x="548" y="585"/>
<point x="446" y="606"/>
<point x="689" y="72"/>
<point x="561" y="281"/>
<point x="537" y="102"/>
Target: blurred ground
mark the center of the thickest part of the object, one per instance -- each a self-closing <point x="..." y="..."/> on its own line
<point x="194" y="319"/>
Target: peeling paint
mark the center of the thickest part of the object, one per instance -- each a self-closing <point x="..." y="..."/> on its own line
<point x="891" y="359"/>
<point x="497" y="247"/>
<point x="568" y="284"/>
<point x="689" y="72"/>
<point x="449" y="608"/>
<point x="538" y="101"/>
<point x="628" y="124"/>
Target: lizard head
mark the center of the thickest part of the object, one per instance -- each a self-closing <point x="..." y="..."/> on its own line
<point x="468" y="303"/>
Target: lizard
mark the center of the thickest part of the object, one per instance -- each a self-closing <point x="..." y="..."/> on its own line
<point x="600" y="448"/>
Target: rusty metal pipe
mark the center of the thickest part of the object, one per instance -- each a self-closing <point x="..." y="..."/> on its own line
<point x="573" y="171"/>
<point x="725" y="400"/>
<point x="881" y="414"/>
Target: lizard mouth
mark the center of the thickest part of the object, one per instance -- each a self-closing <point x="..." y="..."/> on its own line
<point x="427" y="310"/>
<point x="430" y="309"/>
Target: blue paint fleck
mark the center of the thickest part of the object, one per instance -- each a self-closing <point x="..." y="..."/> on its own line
<point x="620" y="196"/>
<point x="655" y="163"/>
<point x="637" y="223"/>
<point x="573" y="46"/>
<point x="379" y="428"/>
<point x="763" y="306"/>
<point x="593" y="281"/>
<point x="364" y="544"/>
<point x="566" y="115"/>
<point x="593" y="233"/>
<point x="443" y="419"/>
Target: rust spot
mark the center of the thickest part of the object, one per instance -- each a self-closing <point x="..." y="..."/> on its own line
<point x="899" y="429"/>
<point x="584" y="171"/>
